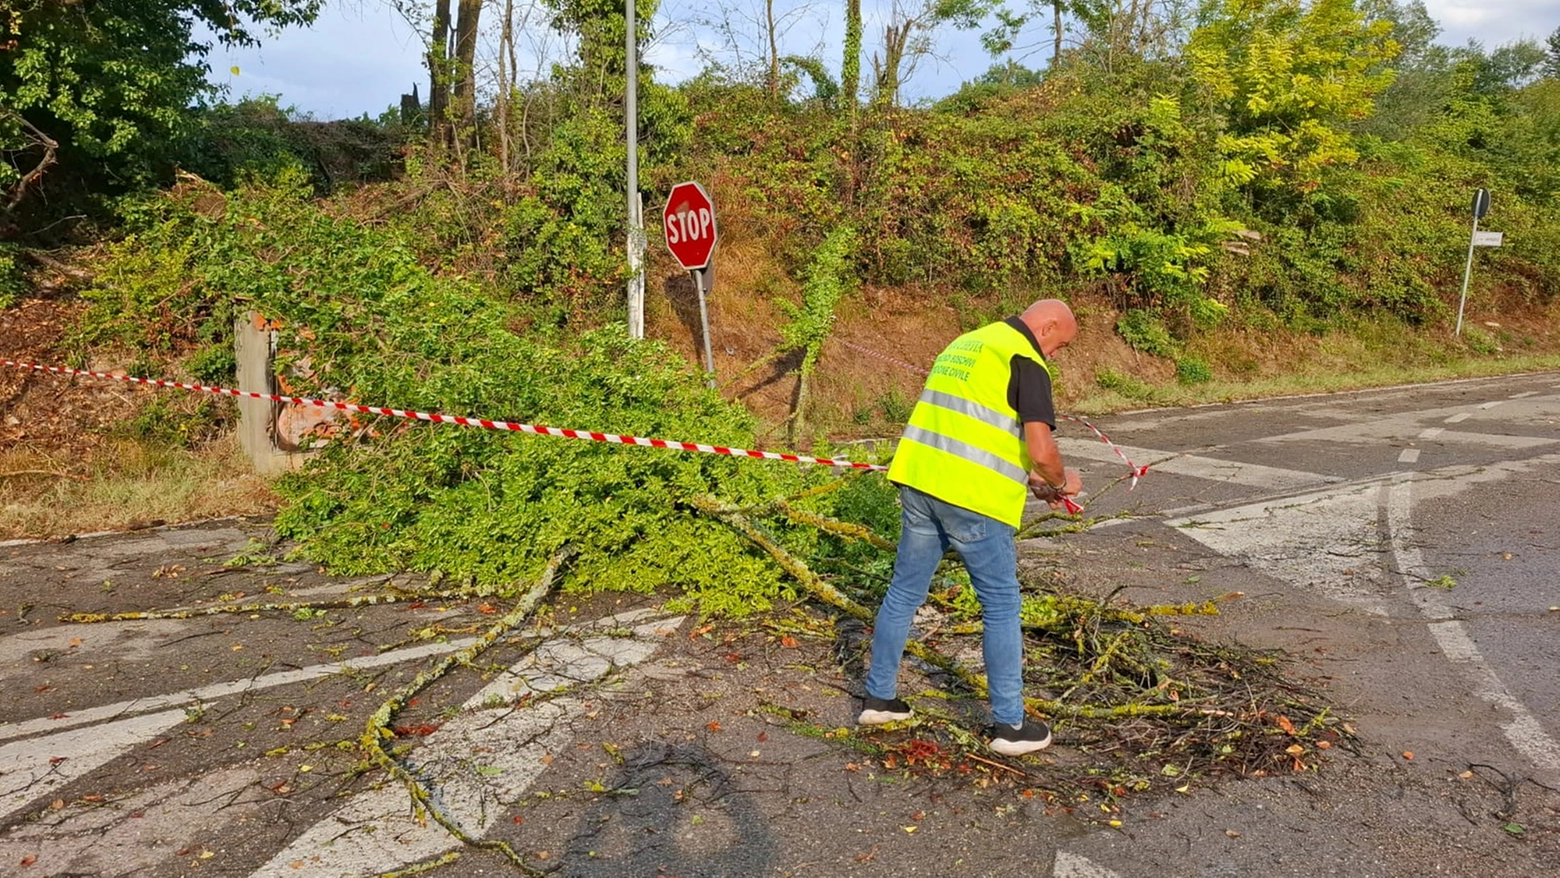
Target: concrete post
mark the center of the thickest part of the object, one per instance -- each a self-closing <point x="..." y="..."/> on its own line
<point x="252" y="348"/>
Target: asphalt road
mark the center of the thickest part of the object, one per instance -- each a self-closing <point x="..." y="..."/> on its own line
<point x="1402" y="545"/>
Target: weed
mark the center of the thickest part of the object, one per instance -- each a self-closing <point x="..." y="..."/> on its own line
<point x="1145" y="332"/>
<point x="1190" y="370"/>
<point x="1126" y="385"/>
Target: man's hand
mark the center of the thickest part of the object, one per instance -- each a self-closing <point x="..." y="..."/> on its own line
<point x="1053" y="496"/>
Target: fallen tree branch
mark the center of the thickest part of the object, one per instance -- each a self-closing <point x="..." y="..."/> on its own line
<point x="50" y="146"/>
<point x="377" y="730"/>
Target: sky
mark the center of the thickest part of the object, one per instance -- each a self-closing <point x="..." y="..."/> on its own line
<point x="360" y="56"/>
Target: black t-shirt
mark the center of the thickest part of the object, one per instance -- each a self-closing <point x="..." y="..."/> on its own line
<point x="1029" y="388"/>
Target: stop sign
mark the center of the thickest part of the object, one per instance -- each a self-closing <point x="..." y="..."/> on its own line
<point x="689" y="220"/>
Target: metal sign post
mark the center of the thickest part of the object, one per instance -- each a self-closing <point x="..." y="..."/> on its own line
<point x="704" y="283"/>
<point x="1481" y="206"/>
<point x="691" y="235"/>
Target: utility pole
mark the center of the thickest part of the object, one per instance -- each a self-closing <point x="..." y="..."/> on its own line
<point x="636" y="226"/>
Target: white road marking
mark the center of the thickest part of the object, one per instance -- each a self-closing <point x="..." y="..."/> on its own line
<point x="1322" y="541"/>
<point x="137" y="833"/>
<point x="1524" y="395"/>
<point x="1238" y="472"/>
<point x="1432" y="432"/>
<point x="1458" y="418"/>
<point x="481" y="762"/>
<point x="219" y="690"/>
<point x="1409" y="455"/>
<point x="30" y="770"/>
<point x="1396" y="427"/>
<point x="1074" y="866"/>
<point x="1523" y="730"/>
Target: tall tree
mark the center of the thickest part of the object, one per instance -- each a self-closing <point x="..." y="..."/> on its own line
<point x="1286" y="79"/>
<point x="1552" y="63"/>
<point x="463" y="90"/>
<point x="82" y="83"/>
<point x="439" y="75"/>
<point x="908" y="37"/>
<point x="850" y="69"/>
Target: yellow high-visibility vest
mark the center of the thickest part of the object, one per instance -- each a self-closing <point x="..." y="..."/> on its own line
<point x="964" y="443"/>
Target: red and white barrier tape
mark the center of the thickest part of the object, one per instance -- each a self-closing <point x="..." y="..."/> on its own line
<point x="461" y="421"/>
<point x="884" y="357"/>
<point x="1072" y="507"/>
<point x="1137" y="471"/>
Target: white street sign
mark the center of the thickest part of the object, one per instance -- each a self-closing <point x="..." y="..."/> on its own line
<point x="1487" y="239"/>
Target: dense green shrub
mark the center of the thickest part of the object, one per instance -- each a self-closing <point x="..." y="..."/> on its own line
<point x="485" y="507"/>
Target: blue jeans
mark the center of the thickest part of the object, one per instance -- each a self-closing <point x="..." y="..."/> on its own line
<point x="930" y="527"/>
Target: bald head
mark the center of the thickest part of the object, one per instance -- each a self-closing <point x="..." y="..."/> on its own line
<point x="1053" y="324"/>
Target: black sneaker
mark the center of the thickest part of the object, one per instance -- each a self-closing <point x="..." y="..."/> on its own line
<point x="877" y="711"/>
<point x="1017" y="741"/>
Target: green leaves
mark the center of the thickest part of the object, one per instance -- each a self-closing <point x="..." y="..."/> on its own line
<point x="482" y="507"/>
<point x="114" y="80"/>
<point x="1287" y="78"/>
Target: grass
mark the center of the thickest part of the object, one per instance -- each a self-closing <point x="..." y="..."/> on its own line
<point x="130" y="483"/>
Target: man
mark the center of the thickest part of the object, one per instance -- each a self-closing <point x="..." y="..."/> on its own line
<point x="978" y="442"/>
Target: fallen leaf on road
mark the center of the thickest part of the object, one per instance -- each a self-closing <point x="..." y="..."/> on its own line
<point x="1285" y="724"/>
<point x="57" y="804"/>
<point x="1408" y="754"/>
<point x="712" y="725"/>
<point x="1295" y="750"/>
<point x="787" y="641"/>
<point x="1232" y="833"/>
<point x="489" y="609"/>
<point x="30" y="859"/>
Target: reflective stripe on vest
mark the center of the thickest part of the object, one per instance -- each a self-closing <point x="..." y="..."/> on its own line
<point x="964" y="444"/>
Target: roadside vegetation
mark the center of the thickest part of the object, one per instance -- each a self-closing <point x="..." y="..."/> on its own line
<point x="1265" y="196"/>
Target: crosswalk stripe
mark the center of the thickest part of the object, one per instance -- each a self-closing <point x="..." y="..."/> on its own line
<point x="214" y="691"/>
<point x="30" y="770"/>
<point x="1238" y="472"/>
<point x="481" y="762"/>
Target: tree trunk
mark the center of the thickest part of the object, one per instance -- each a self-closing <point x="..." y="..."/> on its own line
<point x="438" y="72"/>
<point x="896" y="37"/>
<point x="464" y="89"/>
<point x="1056" y="52"/>
<point x="506" y="44"/>
<point x="774" y="50"/>
<point x="850" y="72"/>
